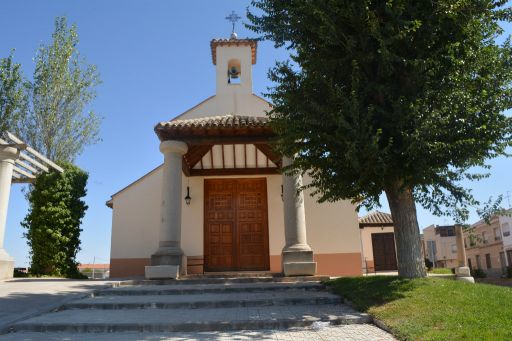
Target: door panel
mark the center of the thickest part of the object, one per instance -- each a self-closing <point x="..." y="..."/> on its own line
<point x="384" y="254"/>
<point x="219" y="231"/>
<point x="240" y="207"/>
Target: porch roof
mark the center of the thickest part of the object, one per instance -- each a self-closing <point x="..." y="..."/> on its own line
<point x="196" y="130"/>
<point x="241" y="132"/>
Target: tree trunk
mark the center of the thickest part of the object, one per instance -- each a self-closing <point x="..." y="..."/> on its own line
<point x="411" y="263"/>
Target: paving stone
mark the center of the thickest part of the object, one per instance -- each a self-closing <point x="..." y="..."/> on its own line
<point x="354" y="332"/>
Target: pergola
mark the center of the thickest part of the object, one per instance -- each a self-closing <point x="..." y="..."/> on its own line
<point x="19" y="163"/>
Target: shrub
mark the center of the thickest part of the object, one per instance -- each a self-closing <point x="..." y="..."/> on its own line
<point x="509" y="272"/>
<point x="478" y="273"/>
<point x="53" y="222"/>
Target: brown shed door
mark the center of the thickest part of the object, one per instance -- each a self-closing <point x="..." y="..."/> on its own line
<point x="236" y="225"/>
<point x="384" y="255"/>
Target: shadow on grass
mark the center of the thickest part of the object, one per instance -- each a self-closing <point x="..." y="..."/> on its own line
<point x="367" y="292"/>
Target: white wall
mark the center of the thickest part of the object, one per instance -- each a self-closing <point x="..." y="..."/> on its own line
<point x="226" y="104"/>
<point x="136" y="218"/>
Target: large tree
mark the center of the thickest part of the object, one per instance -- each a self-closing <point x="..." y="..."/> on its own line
<point x="404" y="97"/>
<point x="12" y="96"/>
<point x="57" y="122"/>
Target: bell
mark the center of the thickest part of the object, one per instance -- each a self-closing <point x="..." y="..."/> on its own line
<point x="233" y="72"/>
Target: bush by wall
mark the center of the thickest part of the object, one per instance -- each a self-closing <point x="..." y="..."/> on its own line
<point x="54" y="219"/>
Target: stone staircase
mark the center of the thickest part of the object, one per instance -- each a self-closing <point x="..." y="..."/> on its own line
<point x="198" y="304"/>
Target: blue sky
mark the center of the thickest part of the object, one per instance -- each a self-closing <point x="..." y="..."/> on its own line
<point x="154" y="60"/>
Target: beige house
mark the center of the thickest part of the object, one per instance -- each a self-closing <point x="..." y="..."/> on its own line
<point x="219" y="202"/>
<point x="378" y="242"/>
<point x="440" y="246"/>
<point x="485" y="248"/>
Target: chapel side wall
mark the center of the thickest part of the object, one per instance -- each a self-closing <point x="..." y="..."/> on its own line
<point x="135" y="226"/>
<point x="333" y="234"/>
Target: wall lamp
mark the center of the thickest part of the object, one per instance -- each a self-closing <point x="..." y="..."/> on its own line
<point x="188" y="199"/>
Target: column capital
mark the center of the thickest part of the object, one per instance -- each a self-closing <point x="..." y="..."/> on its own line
<point x="9" y="153"/>
<point x="172" y="146"/>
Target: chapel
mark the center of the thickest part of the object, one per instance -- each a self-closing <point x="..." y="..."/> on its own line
<point x="219" y="203"/>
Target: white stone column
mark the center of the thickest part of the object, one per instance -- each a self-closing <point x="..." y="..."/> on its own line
<point x="166" y="261"/>
<point x="7" y="157"/>
<point x="297" y="257"/>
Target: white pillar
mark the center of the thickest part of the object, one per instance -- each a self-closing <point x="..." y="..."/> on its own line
<point x="168" y="257"/>
<point x="7" y="157"/>
<point x="297" y="257"/>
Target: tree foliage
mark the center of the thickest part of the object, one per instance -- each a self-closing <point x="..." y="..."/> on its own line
<point x="54" y="219"/>
<point x="63" y="86"/>
<point x="12" y="95"/>
<point x="400" y="96"/>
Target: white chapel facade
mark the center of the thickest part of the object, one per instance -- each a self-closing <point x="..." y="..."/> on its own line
<point x="219" y="202"/>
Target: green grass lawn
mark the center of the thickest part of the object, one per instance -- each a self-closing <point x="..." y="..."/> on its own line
<point x="440" y="271"/>
<point x="432" y="308"/>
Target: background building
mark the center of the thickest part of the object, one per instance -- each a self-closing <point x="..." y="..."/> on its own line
<point x="440" y="246"/>
<point x="485" y="245"/>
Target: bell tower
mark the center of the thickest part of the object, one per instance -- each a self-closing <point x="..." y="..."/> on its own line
<point x="233" y="59"/>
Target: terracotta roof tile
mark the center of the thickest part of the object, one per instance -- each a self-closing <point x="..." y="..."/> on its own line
<point x="376" y="218"/>
<point x="227" y="121"/>
<point x="253" y="43"/>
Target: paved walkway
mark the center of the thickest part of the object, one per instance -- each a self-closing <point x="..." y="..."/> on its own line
<point x="22" y="298"/>
<point x="320" y="332"/>
<point x="26" y="301"/>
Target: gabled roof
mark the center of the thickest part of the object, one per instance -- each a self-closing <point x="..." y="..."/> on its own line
<point x="376" y="218"/>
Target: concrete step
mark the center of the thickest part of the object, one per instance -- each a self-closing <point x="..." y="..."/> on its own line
<point x="185" y="289"/>
<point x="187" y="320"/>
<point x="219" y="300"/>
<point x="227" y="279"/>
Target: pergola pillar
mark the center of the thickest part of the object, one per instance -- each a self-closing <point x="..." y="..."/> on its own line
<point x="166" y="261"/>
<point x="297" y="256"/>
<point x="8" y="155"/>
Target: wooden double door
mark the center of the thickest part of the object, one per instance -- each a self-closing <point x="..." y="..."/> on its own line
<point x="236" y="225"/>
<point x="384" y="253"/>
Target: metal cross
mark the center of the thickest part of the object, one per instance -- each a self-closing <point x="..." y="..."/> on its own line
<point x="233" y="17"/>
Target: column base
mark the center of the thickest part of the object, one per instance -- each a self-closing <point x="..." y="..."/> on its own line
<point x="6" y="265"/>
<point x="298" y="263"/>
<point x="167" y="256"/>
<point x="464" y="274"/>
<point x="162" y="272"/>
